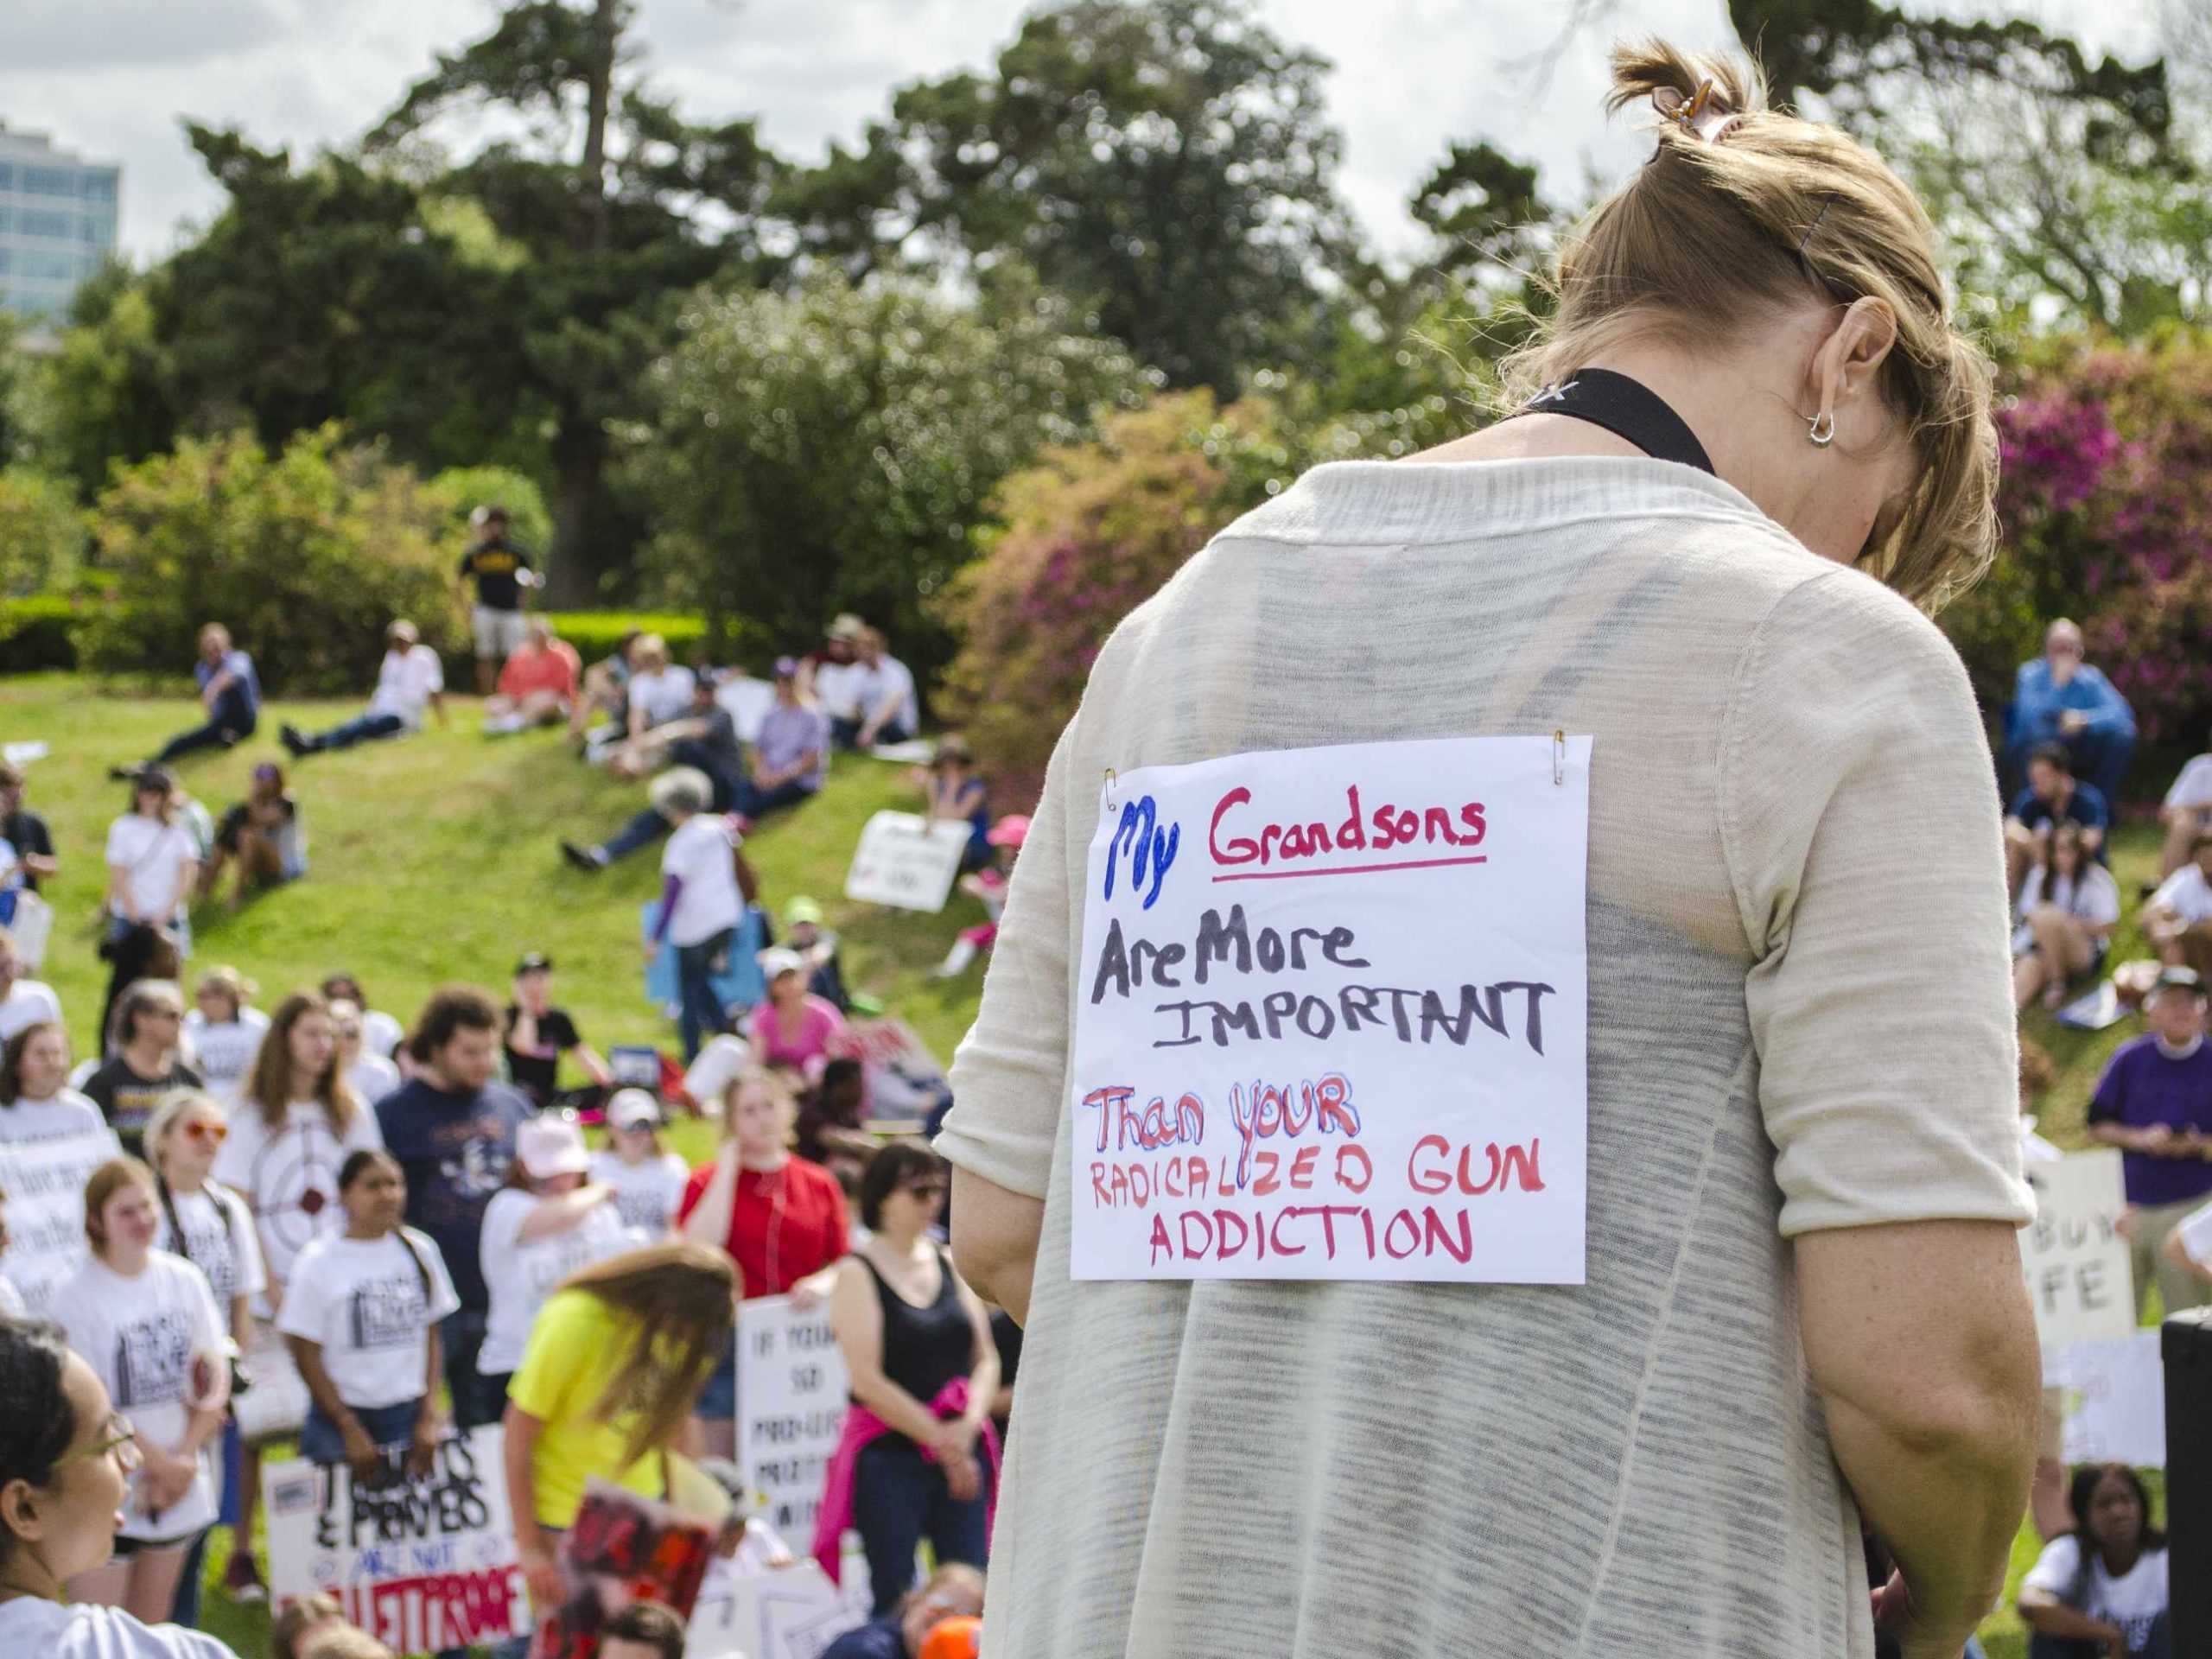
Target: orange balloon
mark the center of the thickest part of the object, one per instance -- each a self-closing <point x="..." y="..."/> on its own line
<point x="960" y="1637"/>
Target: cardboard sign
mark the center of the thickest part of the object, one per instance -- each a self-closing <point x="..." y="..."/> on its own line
<point x="2077" y="1263"/>
<point x="45" y="1183"/>
<point x="1331" y="1017"/>
<point x="790" y="1408"/>
<point x="776" y="1612"/>
<point x="421" y="1564"/>
<point x="905" y="862"/>
<point x="622" y="1548"/>
<point x="2112" y="1402"/>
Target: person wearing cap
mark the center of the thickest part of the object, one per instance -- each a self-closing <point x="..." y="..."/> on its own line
<point x="229" y="697"/>
<point x="2154" y="1102"/>
<point x="823" y="672"/>
<point x="817" y="948"/>
<point x="23" y="1001"/>
<point x="537" y="685"/>
<point x="791" y="758"/>
<point x="153" y="862"/>
<point x="793" y="1027"/>
<point x="987" y="886"/>
<point x="877" y="701"/>
<point x="548" y="1221"/>
<point x="410" y="680"/>
<point x="537" y="1035"/>
<point x="2178" y="917"/>
<point x="501" y="571"/>
<point x="263" y="834"/>
<point x="646" y="1177"/>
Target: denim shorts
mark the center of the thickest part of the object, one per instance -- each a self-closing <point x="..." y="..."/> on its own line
<point x="387" y="1426"/>
<point x="718" y="1400"/>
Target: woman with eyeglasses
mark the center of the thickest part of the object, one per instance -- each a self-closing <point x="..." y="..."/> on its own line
<point x="144" y="1041"/>
<point x="919" y="1454"/>
<point x="147" y="1323"/>
<point x="66" y="1462"/>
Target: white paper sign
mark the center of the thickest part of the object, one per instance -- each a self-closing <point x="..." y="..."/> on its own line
<point x="2113" y="1404"/>
<point x="45" y="1183"/>
<point x="780" y="1612"/>
<point x="1332" y="1017"/>
<point x="276" y="1404"/>
<point x="790" y="1408"/>
<point x="421" y="1565"/>
<point x="2076" y="1262"/>
<point x="906" y="860"/>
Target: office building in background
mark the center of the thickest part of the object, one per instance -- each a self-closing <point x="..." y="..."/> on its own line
<point x="58" y="215"/>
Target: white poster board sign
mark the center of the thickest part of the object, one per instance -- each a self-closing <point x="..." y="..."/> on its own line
<point x="276" y="1404"/>
<point x="907" y="862"/>
<point x="2112" y="1402"/>
<point x="790" y="1408"/>
<point x="421" y="1564"/>
<point x="2076" y="1262"/>
<point x="45" y="1183"/>
<point x="1332" y="1017"/>
<point x="776" y="1612"/>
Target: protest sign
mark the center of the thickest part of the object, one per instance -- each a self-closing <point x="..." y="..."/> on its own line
<point x="904" y="1081"/>
<point x="277" y="1401"/>
<point x="790" y="1408"/>
<point x="2113" y="1399"/>
<point x="45" y="1183"/>
<point x="1331" y="1017"/>
<point x="622" y="1548"/>
<point x="904" y="861"/>
<point x="420" y="1564"/>
<point x="2076" y="1261"/>
<point x="776" y="1612"/>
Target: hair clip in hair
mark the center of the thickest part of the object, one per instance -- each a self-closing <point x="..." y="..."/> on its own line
<point x="1704" y="115"/>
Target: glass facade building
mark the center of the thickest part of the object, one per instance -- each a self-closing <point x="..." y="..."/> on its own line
<point x="58" y="215"/>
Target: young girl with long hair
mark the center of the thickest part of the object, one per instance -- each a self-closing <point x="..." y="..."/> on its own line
<point x="36" y="1103"/>
<point x="2100" y="1591"/>
<point x="223" y="1031"/>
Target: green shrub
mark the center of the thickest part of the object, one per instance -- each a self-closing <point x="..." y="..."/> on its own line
<point x="306" y="557"/>
<point x="595" y="633"/>
<point x="36" y="634"/>
<point x="41" y="533"/>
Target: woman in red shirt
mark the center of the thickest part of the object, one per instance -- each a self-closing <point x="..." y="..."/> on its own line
<point x="780" y="1219"/>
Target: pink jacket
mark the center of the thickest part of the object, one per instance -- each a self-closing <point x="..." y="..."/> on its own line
<point x="863" y="1427"/>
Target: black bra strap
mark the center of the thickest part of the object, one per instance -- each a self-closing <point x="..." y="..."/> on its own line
<point x="1626" y="408"/>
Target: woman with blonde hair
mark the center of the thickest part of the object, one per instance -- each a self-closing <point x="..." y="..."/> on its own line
<point x="1752" y="444"/>
<point x="615" y="1361"/>
<point x="223" y="1032"/>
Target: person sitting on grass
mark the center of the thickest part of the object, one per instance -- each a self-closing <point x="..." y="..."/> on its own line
<point x="2101" y="1589"/>
<point x="957" y="793"/>
<point x="410" y="680"/>
<point x="790" y="757"/>
<point x="703" y="742"/>
<point x="659" y="690"/>
<point x="817" y="948"/>
<point x="606" y="689"/>
<point x="2053" y="796"/>
<point x="2186" y="813"/>
<point x="262" y="836"/>
<point x="2178" y="918"/>
<point x="879" y="702"/>
<point x="2069" y="906"/>
<point x="230" y="696"/>
<point x="537" y="686"/>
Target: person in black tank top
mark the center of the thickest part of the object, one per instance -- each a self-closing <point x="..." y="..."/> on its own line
<point x="914" y="1338"/>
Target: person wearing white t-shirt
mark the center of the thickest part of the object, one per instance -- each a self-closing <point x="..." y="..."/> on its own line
<point x="381" y="1034"/>
<point x="410" y="680"/>
<point x="223" y="1031"/>
<point x="708" y="1078"/>
<point x="701" y="905"/>
<point x="153" y="861"/>
<point x="544" y="1225"/>
<point x="647" y="1178"/>
<point x="36" y="1103"/>
<point x="147" y="1324"/>
<point x="361" y="1318"/>
<point x="2178" y="917"/>
<point x="879" y="696"/>
<point x="23" y="1000"/>
<point x="2067" y="909"/>
<point x="67" y="1459"/>
<point x="2187" y="814"/>
<point x="371" y="1076"/>
<point x="659" y="690"/>
<point x="2104" y="1583"/>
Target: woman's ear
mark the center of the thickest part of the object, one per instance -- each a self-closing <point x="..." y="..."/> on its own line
<point x="22" y="1511"/>
<point x="1846" y="365"/>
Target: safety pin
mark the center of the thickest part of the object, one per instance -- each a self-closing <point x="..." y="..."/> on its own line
<point x="1112" y="778"/>
<point x="1559" y="758"/>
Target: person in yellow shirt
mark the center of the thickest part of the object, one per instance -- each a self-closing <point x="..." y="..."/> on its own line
<point x="596" y="1397"/>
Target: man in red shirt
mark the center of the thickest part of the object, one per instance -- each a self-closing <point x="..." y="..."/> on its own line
<point x="781" y="1220"/>
<point x="537" y="687"/>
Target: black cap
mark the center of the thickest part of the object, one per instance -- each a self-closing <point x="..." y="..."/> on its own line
<point x="536" y="962"/>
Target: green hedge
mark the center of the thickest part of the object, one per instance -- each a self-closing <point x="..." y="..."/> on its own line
<point x="593" y="633"/>
<point x="35" y="634"/>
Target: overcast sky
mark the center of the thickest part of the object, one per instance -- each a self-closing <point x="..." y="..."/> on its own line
<point x="113" y="78"/>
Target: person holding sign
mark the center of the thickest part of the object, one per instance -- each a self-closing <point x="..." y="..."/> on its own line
<point x="68" y="1461"/>
<point x="361" y="1318"/>
<point x="148" y="1325"/>
<point x="1465" y="958"/>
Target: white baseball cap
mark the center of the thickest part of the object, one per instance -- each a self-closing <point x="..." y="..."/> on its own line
<point x="634" y="1109"/>
<point x="551" y="1144"/>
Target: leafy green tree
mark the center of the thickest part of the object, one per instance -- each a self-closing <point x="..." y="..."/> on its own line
<point x="102" y="398"/>
<point x="833" y="447"/>
<point x="41" y="533"/>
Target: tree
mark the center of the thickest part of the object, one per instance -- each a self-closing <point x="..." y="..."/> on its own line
<point x="833" y="447"/>
<point x="609" y="201"/>
<point x="1168" y="164"/>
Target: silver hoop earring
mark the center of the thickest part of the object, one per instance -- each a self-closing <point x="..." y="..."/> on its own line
<point x="1823" y="429"/>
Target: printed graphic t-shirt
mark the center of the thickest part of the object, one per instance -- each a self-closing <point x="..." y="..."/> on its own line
<point x="219" y="1240"/>
<point x="223" y="1054"/>
<point x="521" y="1276"/>
<point x="454" y="1148"/>
<point x="127" y="1097"/>
<point x="371" y="1303"/>
<point x="289" y="1175"/>
<point x="646" y="1194"/>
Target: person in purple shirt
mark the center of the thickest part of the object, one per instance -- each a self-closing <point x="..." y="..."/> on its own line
<point x="2154" y="1102"/>
<point x="230" y="694"/>
<point x="2058" y="699"/>
<point x="791" y="758"/>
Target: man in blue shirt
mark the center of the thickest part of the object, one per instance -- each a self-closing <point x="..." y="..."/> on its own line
<point x="2154" y="1102"/>
<point x="2054" y="795"/>
<point x="2058" y="699"/>
<point x="452" y="1129"/>
<point x="230" y="693"/>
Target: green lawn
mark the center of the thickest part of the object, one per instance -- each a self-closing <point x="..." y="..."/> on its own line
<point x="434" y="859"/>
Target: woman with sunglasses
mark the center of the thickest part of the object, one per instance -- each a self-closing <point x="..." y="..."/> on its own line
<point x="145" y="1046"/>
<point x="147" y="1323"/>
<point x="66" y="1461"/>
<point x="917" y="1453"/>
